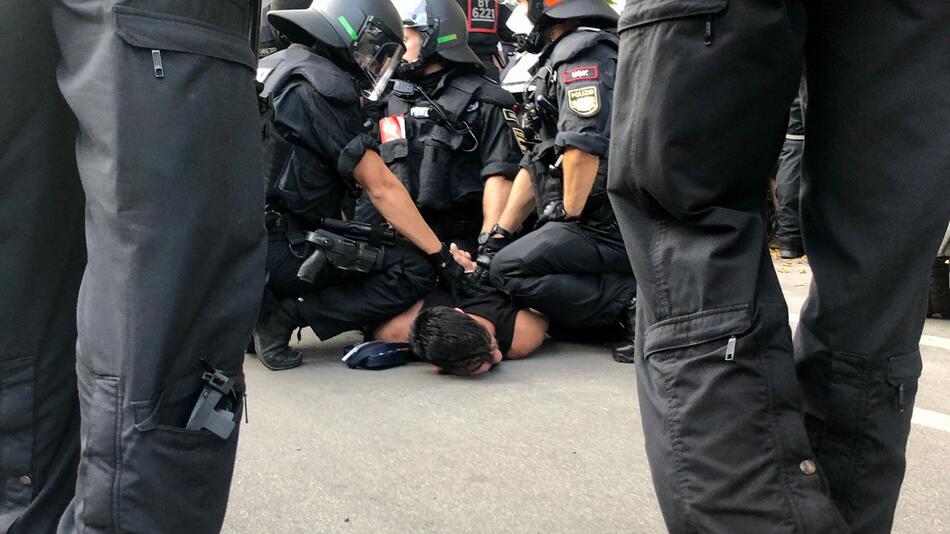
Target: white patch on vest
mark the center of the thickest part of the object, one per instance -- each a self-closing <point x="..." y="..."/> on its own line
<point x="262" y="74"/>
<point x="471" y="107"/>
<point x="419" y="112"/>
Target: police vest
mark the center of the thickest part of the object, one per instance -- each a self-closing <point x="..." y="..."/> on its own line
<point x="546" y="175"/>
<point x="428" y="142"/>
<point x="315" y="189"/>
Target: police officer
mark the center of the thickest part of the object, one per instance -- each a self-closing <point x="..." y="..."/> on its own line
<point x="133" y="249"/>
<point x="573" y="268"/>
<point x="448" y="132"/>
<point x="742" y="437"/>
<point x="317" y="153"/>
<point x="486" y="28"/>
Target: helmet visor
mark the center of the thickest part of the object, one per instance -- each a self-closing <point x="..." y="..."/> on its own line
<point x="377" y="54"/>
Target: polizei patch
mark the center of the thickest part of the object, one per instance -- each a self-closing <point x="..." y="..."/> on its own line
<point x="577" y="74"/>
<point x="585" y="101"/>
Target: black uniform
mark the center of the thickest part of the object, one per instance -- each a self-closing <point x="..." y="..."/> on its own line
<point x="443" y="137"/>
<point x="736" y="443"/>
<point x="130" y="137"/>
<point x="320" y="137"/>
<point x="576" y="272"/>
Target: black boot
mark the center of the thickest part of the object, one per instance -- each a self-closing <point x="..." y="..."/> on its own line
<point x="623" y="352"/>
<point x="275" y="325"/>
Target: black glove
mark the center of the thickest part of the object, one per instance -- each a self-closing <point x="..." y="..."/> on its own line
<point x="450" y="272"/>
<point x="497" y="239"/>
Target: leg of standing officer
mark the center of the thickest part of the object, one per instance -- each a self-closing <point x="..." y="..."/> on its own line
<point x="567" y="273"/>
<point x="706" y="88"/>
<point x="168" y="154"/>
<point x="788" y="182"/>
<point x="41" y="236"/>
<point x="876" y="200"/>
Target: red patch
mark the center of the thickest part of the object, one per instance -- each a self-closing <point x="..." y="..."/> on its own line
<point x="581" y="73"/>
<point x="392" y="128"/>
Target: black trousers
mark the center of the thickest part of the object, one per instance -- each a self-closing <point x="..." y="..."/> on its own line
<point x="577" y="276"/>
<point x="340" y="301"/>
<point x="789" y="176"/>
<point x="746" y="432"/>
<point x="154" y="177"/>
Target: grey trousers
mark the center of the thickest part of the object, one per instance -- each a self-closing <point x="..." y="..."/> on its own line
<point x="131" y="205"/>
<point x="745" y="431"/>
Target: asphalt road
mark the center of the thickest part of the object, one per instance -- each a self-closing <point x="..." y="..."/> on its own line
<point x="551" y="444"/>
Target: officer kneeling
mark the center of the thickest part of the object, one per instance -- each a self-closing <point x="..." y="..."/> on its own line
<point x="447" y="131"/>
<point x="574" y="268"/>
<point x="331" y="275"/>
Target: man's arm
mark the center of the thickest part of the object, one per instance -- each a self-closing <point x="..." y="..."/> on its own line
<point x="530" y="329"/>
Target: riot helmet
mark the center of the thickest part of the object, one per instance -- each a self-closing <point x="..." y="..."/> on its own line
<point x="362" y="36"/>
<point x="270" y="40"/>
<point x="545" y="13"/>
<point x="443" y="29"/>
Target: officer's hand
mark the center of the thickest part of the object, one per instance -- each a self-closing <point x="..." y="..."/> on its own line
<point x="553" y="212"/>
<point x="450" y="272"/>
<point x="498" y="239"/>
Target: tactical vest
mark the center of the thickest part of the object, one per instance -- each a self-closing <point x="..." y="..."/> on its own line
<point x="315" y="189"/>
<point x="437" y="157"/>
<point x="546" y="169"/>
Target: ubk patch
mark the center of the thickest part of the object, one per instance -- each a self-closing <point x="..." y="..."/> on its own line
<point x="581" y="73"/>
<point x="392" y="128"/>
<point x="585" y="101"/>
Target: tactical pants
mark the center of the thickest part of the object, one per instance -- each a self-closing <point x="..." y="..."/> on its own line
<point x="789" y="177"/>
<point x="154" y="177"/>
<point x="577" y="276"/>
<point x="741" y="437"/>
<point x="339" y="301"/>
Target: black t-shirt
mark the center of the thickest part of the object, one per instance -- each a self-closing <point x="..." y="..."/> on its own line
<point x="492" y="305"/>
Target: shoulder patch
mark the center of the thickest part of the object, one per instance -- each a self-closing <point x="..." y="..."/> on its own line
<point x="584" y="101"/>
<point x="590" y="72"/>
<point x="509" y="115"/>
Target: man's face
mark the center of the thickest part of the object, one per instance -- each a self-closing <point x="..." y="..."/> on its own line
<point x="413" y="41"/>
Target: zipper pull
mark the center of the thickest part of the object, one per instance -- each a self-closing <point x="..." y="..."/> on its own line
<point x="731" y="349"/>
<point x="157" y="64"/>
<point x="708" y="39"/>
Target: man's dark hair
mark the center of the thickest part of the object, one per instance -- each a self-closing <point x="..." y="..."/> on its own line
<point x="450" y="340"/>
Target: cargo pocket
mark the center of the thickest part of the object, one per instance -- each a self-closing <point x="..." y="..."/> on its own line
<point x="644" y="13"/>
<point x="172" y="479"/>
<point x="435" y="169"/>
<point x="395" y="154"/>
<point x="16" y="430"/>
<point x="712" y="393"/>
<point x="211" y="28"/>
<point x="99" y="403"/>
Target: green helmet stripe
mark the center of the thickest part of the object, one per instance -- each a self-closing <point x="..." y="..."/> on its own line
<point x="349" y="29"/>
<point x="447" y="38"/>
